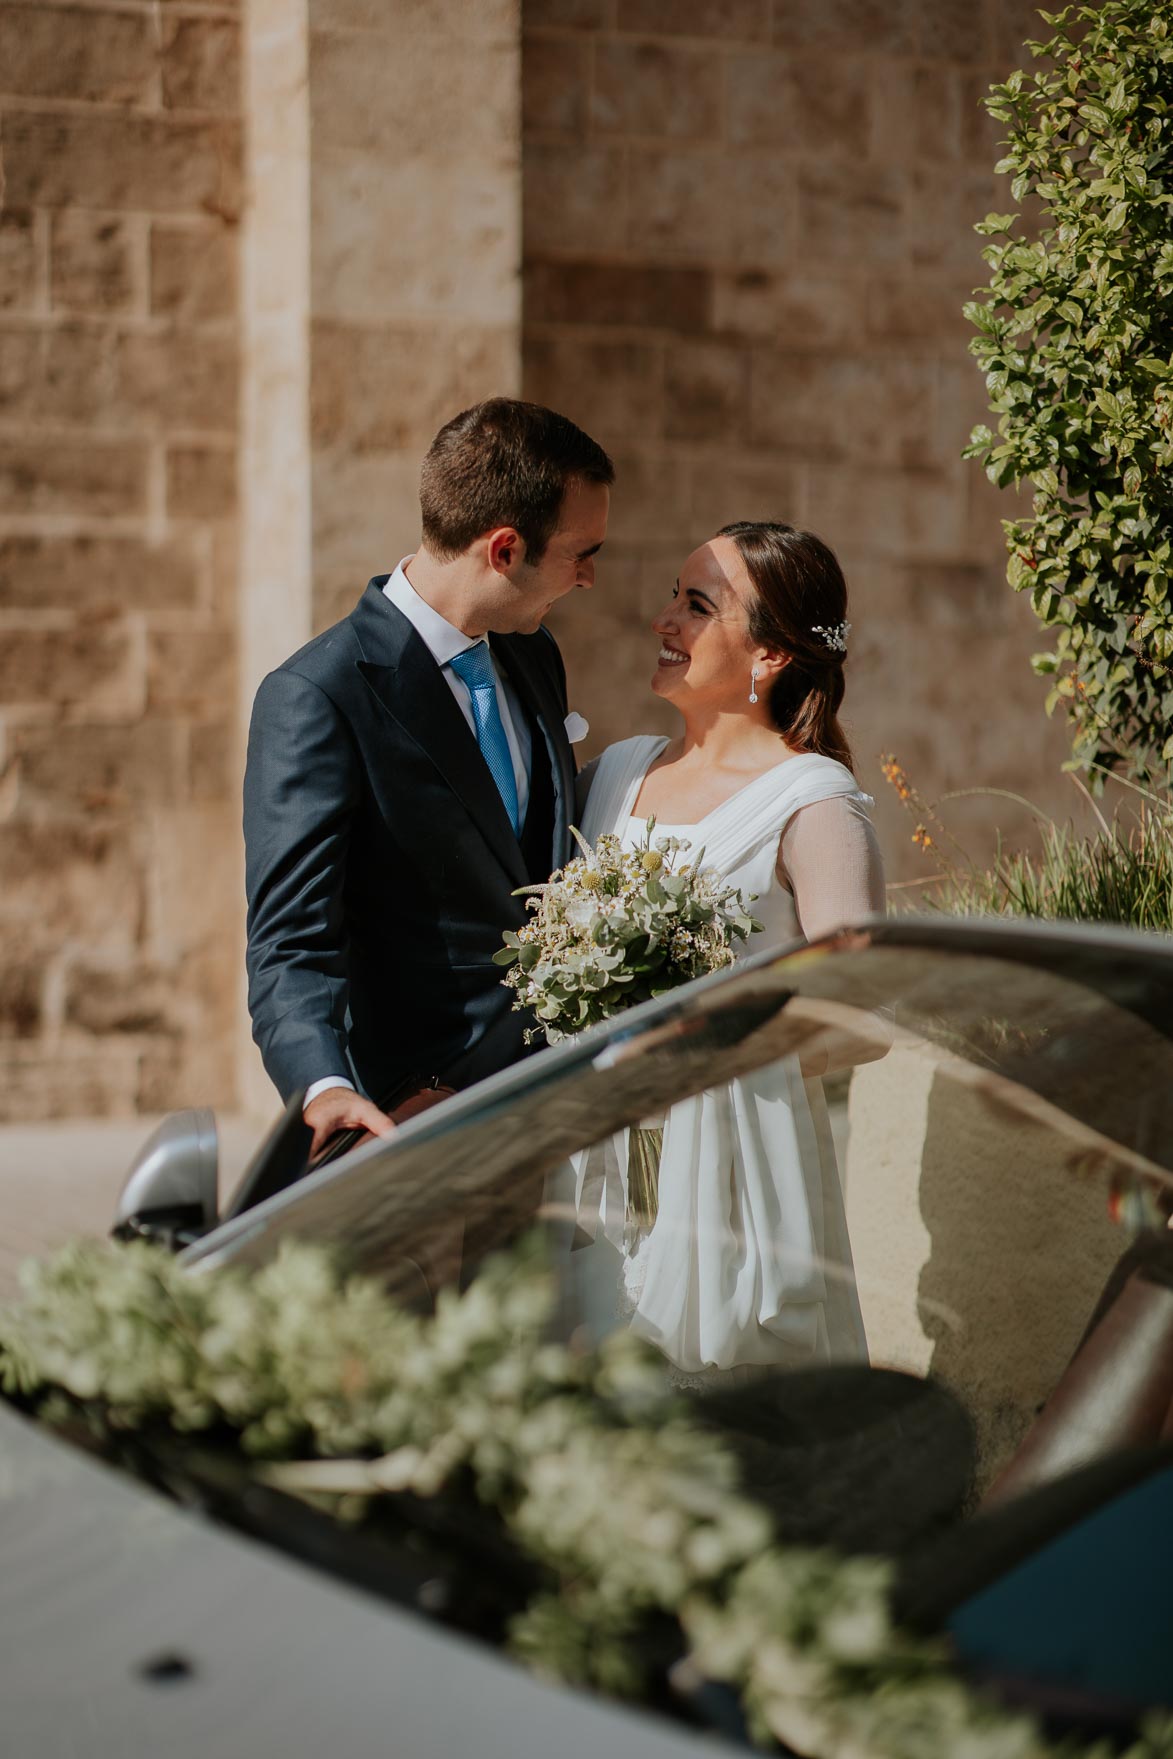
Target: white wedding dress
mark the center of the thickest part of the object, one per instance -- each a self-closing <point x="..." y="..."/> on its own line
<point x="748" y="1260"/>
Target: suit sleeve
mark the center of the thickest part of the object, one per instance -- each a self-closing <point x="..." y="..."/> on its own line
<point x="301" y="790"/>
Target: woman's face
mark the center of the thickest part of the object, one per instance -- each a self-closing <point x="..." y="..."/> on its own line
<point x="706" y="654"/>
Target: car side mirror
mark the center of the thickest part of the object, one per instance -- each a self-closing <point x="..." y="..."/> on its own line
<point x="170" y="1194"/>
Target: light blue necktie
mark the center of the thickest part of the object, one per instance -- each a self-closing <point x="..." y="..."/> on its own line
<point x="474" y="667"/>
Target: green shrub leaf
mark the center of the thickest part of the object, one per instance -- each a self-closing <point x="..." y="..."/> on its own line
<point x="1083" y="399"/>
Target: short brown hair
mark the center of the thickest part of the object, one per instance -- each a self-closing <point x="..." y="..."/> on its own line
<point x="504" y="462"/>
<point x="799" y="587"/>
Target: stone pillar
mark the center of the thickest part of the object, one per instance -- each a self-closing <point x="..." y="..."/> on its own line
<point x="415" y="248"/>
<point x="382" y="294"/>
<point x="275" y="600"/>
<point x="276" y="596"/>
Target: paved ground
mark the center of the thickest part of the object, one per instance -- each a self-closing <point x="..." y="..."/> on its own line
<point x="57" y="1180"/>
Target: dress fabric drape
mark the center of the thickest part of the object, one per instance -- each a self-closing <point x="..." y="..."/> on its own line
<point x="748" y="1260"/>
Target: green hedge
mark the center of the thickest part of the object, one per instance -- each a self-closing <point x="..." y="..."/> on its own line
<point x="1075" y="336"/>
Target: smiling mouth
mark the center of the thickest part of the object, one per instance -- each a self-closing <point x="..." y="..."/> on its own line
<point x="669" y="656"/>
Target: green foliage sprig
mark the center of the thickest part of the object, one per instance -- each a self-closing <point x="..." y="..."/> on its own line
<point x="587" y="1459"/>
<point x="1076" y="340"/>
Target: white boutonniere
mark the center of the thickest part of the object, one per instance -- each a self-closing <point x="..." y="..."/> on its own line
<point x="576" y="727"/>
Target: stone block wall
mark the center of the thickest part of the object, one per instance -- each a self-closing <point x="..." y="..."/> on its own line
<point x="120" y="134"/>
<point x="415" y="243"/>
<point x="748" y="238"/>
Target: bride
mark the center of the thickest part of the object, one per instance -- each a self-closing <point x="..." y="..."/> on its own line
<point x="740" y="1255"/>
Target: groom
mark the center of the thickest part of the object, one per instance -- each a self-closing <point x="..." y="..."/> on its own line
<point x="408" y="769"/>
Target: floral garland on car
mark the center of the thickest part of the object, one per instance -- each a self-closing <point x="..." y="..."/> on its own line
<point x="586" y="1457"/>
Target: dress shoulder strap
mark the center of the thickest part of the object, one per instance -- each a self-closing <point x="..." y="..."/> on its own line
<point x="763" y="809"/>
<point x="811" y="777"/>
<point x="616" y="782"/>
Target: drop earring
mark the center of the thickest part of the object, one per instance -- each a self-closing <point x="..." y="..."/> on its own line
<point x="753" y="685"/>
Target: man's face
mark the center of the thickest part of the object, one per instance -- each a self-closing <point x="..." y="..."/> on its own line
<point x="568" y="561"/>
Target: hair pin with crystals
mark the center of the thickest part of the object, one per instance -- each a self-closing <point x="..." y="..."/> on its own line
<point x="835" y="637"/>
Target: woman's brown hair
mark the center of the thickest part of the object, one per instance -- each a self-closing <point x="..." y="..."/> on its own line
<point x="799" y="587"/>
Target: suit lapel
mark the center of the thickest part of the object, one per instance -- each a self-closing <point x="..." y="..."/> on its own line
<point x="413" y="692"/>
<point x="536" y="693"/>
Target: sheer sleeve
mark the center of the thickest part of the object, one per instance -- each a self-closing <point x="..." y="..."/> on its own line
<point x="829" y="859"/>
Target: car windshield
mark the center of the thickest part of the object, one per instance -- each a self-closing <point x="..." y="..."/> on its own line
<point x="913" y="1155"/>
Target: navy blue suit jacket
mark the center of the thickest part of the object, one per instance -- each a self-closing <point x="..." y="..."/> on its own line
<point x="380" y="861"/>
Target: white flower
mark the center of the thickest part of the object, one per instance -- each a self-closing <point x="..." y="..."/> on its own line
<point x="835" y="635"/>
<point x="859" y="1631"/>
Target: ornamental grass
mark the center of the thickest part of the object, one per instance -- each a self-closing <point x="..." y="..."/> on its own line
<point x="1121" y="873"/>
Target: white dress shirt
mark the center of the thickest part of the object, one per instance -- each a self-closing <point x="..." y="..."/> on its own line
<point x="444" y="641"/>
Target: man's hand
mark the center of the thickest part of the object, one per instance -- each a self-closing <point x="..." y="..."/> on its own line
<point x="340" y="1108"/>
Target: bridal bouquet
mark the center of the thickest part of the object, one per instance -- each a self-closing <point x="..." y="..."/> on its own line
<point x="613" y="928"/>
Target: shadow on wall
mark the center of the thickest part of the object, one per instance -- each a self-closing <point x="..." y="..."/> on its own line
<point x="980" y="1247"/>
